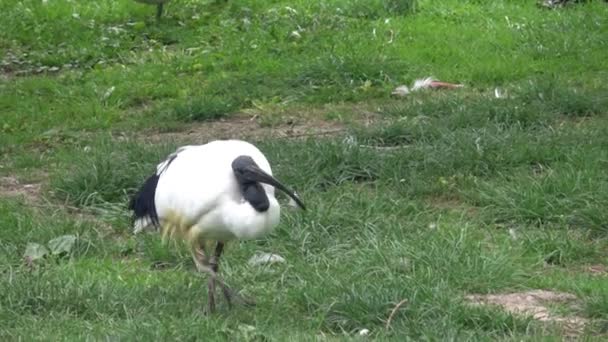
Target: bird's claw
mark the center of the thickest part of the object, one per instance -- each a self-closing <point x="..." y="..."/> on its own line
<point x="230" y="295"/>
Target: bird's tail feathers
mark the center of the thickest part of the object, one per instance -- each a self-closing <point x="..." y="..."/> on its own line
<point x="144" y="206"/>
<point x="143" y="223"/>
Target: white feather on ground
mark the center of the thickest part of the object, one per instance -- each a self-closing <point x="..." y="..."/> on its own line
<point x="423" y="83"/>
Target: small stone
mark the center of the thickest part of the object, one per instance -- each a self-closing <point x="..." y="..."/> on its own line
<point x="295" y="35"/>
<point x="265" y="258"/>
<point x="363" y="332"/>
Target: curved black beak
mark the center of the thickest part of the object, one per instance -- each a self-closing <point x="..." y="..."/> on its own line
<point x="254" y="173"/>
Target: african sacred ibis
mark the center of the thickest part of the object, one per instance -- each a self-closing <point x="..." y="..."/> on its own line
<point x="217" y="192"/>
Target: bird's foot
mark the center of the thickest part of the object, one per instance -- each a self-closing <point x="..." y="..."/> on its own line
<point x="247" y="301"/>
<point x="230" y="295"/>
<point x="210" y="296"/>
<point x="233" y="296"/>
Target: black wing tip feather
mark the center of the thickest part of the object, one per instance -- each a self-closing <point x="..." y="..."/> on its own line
<point x="143" y="203"/>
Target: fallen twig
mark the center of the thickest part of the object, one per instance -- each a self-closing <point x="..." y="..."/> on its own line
<point x="384" y="148"/>
<point x="335" y="131"/>
<point x="390" y="317"/>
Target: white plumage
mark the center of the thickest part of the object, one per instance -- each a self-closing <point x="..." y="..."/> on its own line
<point x="199" y="191"/>
<point x="220" y="191"/>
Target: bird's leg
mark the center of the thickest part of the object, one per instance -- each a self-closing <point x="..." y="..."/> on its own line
<point x="215" y="259"/>
<point x="210" y="267"/>
<point x="159" y="10"/>
<point x="229" y="294"/>
<point x="214" y="262"/>
<point x="202" y="265"/>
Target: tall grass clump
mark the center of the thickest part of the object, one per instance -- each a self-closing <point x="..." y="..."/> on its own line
<point x="107" y="171"/>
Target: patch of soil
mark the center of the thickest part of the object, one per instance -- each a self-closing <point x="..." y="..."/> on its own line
<point x="445" y="202"/>
<point x="32" y="194"/>
<point x="451" y="203"/>
<point x="535" y="303"/>
<point x="246" y="128"/>
<point x="11" y="187"/>
<point x="597" y="270"/>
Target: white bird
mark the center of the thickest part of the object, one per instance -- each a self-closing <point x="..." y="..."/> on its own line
<point x="217" y="192"/>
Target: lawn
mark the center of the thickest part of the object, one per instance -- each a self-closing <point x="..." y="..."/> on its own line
<point x="414" y="203"/>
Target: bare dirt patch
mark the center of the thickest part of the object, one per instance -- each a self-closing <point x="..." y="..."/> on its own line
<point x="446" y="202"/>
<point x="245" y="128"/>
<point x="12" y="187"/>
<point x="597" y="270"/>
<point x="536" y="303"/>
<point x="260" y="123"/>
<point x="31" y="192"/>
<point x="451" y="203"/>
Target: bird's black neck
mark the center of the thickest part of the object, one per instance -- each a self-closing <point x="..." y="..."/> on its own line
<point x="254" y="193"/>
<point x="248" y="175"/>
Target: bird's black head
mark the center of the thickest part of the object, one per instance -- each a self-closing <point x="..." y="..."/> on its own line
<point x="248" y="174"/>
<point x="240" y="167"/>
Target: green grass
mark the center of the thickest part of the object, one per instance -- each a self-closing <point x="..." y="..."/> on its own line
<point x="444" y="194"/>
